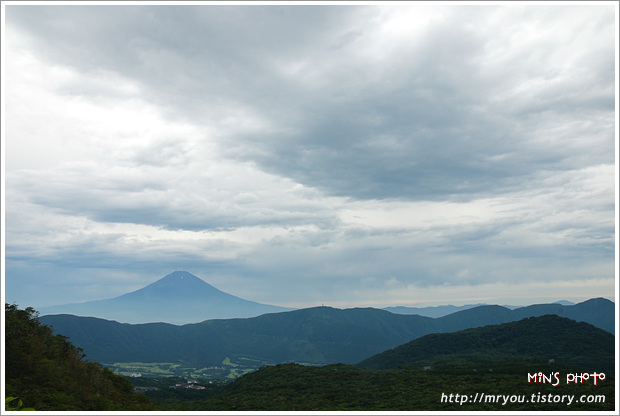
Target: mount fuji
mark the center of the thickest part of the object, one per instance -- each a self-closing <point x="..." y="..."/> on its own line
<point x="178" y="298"/>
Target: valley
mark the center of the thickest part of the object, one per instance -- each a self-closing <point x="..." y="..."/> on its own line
<point x="502" y="362"/>
<point x="226" y="370"/>
<point x="313" y="336"/>
<point x="325" y="358"/>
<point x="424" y="373"/>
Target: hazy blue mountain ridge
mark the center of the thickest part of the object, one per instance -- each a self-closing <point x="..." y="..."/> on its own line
<point x="319" y="335"/>
<point x="430" y="311"/>
<point x="182" y="298"/>
<point x="443" y="310"/>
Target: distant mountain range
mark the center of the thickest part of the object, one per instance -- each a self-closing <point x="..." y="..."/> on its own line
<point x="320" y="335"/>
<point x="431" y="311"/>
<point x="182" y="298"/>
<point x="178" y="298"/>
<point x="443" y="310"/>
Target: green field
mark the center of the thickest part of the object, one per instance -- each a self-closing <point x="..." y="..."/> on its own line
<point x="229" y="369"/>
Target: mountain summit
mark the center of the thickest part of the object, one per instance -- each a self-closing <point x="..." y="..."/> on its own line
<point x="179" y="285"/>
<point x="178" y="298"/>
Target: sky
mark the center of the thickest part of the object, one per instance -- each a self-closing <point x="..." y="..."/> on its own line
<point x="357" y="155"/>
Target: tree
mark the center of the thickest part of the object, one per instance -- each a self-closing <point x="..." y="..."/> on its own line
<point x="45" y="371"/>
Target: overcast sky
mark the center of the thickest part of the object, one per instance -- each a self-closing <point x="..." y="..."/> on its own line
<point x="355" y="155"/>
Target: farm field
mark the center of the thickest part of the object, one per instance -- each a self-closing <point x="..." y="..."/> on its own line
<point x="229" y="369"/>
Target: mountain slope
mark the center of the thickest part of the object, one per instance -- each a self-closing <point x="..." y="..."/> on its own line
<point x="315" y="335"/>
<point x="544" y="337"/>
<point x="178" y="298"/>
<point x="514" y="350"/>
<point x="599" y="312"/>
<point x="318" y="335"/>
<point x="48" y="373"/>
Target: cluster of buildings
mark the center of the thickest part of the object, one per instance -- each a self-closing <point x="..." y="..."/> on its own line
<point x="188" y="385"/>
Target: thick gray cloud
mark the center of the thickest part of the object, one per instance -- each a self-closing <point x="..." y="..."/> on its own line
<point x="295" y="153"/>
<point x="449" y="110"/>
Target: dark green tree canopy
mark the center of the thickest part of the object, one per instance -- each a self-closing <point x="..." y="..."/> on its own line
<point x="46" y="372"/>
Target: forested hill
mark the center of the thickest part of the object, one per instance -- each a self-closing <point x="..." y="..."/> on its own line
<point x="46" y="372"/>
<point x="547" y="337"/>
<point x="420" y="375"/>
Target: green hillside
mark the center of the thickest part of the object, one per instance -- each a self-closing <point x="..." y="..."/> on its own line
<point x="49" y="373"/>
<point x="341" y="387"/>
<point x="317" y="336"/>
<point x="46" y="372"/>
<point x="494" y="361"/>
<point x="546" y="337"/>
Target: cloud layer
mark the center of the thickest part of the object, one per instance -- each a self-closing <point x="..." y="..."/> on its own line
<point x="294" y="155"/>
